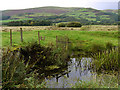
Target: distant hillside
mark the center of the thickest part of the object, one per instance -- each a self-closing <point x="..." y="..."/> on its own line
<point x="111" y="10"/>
<point x="51" y="10"/>
<point x="61" y="14"/>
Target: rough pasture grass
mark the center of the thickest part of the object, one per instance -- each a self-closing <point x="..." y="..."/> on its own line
<point x="87" y="37"/>
<point x="83" y="28"/>
<point x="100" y="81"/>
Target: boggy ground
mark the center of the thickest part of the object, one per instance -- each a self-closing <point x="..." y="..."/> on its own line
<point x="99" y="43"/>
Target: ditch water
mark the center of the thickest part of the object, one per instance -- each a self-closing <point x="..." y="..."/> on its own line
<point x="78" y="69"/>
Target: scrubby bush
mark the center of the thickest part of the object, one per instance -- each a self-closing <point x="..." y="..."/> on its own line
<point x="14" y="71"/>
<point x="23" y="65"/>
<point x="74" y="24"/>
<point x="44" y="56"/>
<point x="61" y="25"/>
<point x="70" y="24"/>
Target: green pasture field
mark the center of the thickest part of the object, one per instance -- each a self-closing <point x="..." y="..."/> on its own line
<point x="87" y="38"/>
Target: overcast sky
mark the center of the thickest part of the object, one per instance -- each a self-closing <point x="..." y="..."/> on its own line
<point x="22" y="4"/>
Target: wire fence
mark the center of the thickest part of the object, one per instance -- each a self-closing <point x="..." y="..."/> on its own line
<point x="61" y="41"/>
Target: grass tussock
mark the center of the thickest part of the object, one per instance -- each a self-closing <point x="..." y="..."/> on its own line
<point x="107" y="60"/>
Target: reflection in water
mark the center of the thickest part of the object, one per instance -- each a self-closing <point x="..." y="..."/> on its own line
<point x="78" y="69"/>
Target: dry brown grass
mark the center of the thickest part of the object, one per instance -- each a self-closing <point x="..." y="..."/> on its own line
<point x="103" y="27"/>
<point x="83" y="28"/>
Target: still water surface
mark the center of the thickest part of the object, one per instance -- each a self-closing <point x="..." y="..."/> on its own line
<point x="78" y="69"/>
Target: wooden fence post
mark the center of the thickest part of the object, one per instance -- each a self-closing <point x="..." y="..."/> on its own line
<point x="11" y="37"/>
<point x="39" y="37"/>
<point x="56" y="41"/>
<point x="68" y="43"/>
<point x="44" y="38"/>
<point x="21" y="34"/>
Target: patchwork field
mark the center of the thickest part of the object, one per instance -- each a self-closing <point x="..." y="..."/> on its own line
<point x="61" y="14"/>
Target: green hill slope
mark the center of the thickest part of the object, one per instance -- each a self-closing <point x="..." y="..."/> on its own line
<point x="62" y="14"/>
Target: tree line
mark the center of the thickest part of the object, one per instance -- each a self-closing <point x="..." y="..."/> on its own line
<point x="30" y="23"/>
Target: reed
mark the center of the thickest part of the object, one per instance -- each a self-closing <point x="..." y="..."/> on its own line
<point x="107" y="60"/>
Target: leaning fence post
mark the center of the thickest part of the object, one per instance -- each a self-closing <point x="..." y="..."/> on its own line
<point x="39" y="37"/>
<point x="21" y="35"/>
<point x="11" y="37"/>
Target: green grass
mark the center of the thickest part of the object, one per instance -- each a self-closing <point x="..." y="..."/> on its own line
<point x="6" y="21"/>
<point x="107" y="60"/>
<point x="100" y="81"/>
<point x="87" y="37"/>
<point x="78" y="14"/>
